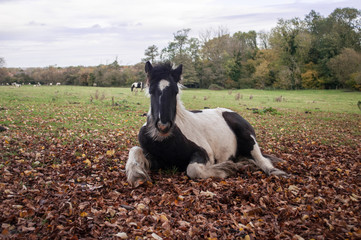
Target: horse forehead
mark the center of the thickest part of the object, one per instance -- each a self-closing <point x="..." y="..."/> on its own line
<point x="163" y="84"/>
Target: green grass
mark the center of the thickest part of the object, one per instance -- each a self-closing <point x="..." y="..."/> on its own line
<point x="321" y="100"/>
<point x="80" y="112"/>
<point x="337" y="101"/>
<point x="69" y="106"/>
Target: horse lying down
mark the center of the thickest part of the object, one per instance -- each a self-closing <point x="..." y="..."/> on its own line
<point x="206" y="143"/>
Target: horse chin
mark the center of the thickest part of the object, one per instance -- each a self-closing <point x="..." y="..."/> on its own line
<point x="163" y="134"/>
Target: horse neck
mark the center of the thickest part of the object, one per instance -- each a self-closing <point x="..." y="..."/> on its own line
<point x="182" y="115"/>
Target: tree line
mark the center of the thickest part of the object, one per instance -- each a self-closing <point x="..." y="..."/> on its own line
<point x="103" y="75"/>
<point x="316" y="52"/>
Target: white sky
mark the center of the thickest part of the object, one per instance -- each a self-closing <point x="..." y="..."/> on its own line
<point x="39" y="33"/>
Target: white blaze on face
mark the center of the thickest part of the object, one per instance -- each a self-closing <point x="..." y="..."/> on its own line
<point x="163" y="84"/>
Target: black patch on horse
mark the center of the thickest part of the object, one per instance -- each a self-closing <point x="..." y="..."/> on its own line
<point x="174" y="151"/>
<point x="243" y="131"/>
<point x="196" y="111"/>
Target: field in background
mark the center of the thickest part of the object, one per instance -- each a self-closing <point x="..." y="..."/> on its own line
<point x="62" y="168"/>
<point x="47" y="109"/>
<point x="110" y="107"/>
<point x="320" y="100"/>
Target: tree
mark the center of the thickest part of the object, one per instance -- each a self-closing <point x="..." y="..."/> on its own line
<point x="347" y="23"/>
<point x="2" y="62"/>
<point x="264" y="39"/>
<point x="243" y="48"/>
<point x="177" y="46"/>
<point x="265" y="65"/>
<point x="151" y="54"/>
<point x="183" y="50"/>
<point x="114" y="65"/>
<point x="310" y="78"/>
<point x="112" y="77"/>
<point x="181" y="39"/>
<point x="341" y="29"/>
<point x="215" y="55"/>
<point x="346" y="67"/>
<point x="246" y="44"/>
<point x="3" y="72"/>
<point x="288" y="38"/>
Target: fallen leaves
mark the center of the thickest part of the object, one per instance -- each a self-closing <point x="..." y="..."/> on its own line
<point x="70" y="183"/>
<point x="121" y="235"/>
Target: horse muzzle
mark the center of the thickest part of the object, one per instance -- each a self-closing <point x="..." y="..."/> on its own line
<point x="164" y="128"/>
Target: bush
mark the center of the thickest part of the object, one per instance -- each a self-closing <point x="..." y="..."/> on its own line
<point x="215" y="87"/>
<point x="269" y="110"/>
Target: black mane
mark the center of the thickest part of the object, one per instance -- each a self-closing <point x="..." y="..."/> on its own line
<point x="161" y="70"/>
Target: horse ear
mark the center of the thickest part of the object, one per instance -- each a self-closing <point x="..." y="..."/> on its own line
<point x="148" y="67"/>
<point x="176" y="73"/>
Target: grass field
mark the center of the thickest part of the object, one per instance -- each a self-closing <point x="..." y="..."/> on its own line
<point x="93" y="109"/>
<point x="110" y="107"/>
<point x="62" y="168"/>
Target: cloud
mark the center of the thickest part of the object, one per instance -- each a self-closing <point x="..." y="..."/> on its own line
<point x="83" y="32"/>
<point x="33" y="23"/>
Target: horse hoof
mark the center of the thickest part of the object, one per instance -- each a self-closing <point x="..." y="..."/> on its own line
<point x="278" y="172"/>
<point x="139" y="180"/>
<point x="137" y="183"/>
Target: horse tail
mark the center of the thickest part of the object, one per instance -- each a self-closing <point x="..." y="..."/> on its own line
<point x="131" y="88"/>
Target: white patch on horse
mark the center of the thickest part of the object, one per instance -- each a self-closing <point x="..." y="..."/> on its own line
<point x="259" y="160"/>
<point x="198" y="170"/>
<point x="163" y="84"/>
<point x="137" y="167"/>
<point x="208" y="130"/>
<point x="220" y="170"/>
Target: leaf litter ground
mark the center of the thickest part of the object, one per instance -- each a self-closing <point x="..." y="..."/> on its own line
<point x="69" y="183"/>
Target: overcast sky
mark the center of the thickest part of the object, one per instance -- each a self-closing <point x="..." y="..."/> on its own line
<point x="39" y="33"/>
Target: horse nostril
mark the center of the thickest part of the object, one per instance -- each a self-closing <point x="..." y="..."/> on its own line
<point x="164" y="127"/>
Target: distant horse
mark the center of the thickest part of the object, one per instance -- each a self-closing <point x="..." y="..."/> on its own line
<point x="136" y="85"/>
<point x="205" y="143"/>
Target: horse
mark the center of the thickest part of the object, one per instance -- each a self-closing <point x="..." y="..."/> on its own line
<point x="136" y="85"/>
<point x="205" y="143"/>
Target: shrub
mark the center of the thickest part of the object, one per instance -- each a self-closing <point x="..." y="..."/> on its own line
<point x="215" y="87"/>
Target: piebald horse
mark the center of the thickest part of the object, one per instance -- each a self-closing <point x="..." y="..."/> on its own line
<point x="136" y="85"/>
<point x="205" y="143"/>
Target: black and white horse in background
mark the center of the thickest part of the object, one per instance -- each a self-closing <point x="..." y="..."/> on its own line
<point x="206" y="143"/>
<point x="137" y="85"/>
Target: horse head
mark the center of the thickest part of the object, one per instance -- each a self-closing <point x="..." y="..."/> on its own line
<point x="163" y="81"/>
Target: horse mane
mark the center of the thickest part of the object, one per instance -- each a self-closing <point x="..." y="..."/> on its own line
<point x="163" y="67"/>
<point x="161" y="70"/>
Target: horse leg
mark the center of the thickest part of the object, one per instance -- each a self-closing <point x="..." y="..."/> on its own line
<point x="137" y="167"/>
<point x="199" y="167"/>
<point x="247" y="145"/>
<point x="264" y="163"/>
